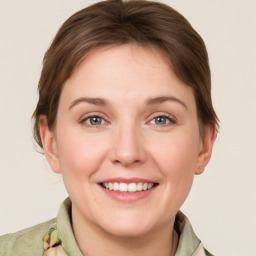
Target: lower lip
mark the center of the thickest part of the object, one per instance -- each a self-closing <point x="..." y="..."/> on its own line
<point x="128" y="196"/>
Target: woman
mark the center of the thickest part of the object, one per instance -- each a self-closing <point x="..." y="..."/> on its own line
<point x="125" y="115"/>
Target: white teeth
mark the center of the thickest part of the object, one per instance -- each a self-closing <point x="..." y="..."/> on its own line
<point x="127" y="187"/>
<point x="110" y="186"/>
<point x="150" y="185"/>
<point x="145" y="186"/>
<point x="116" y="186"/>
<point x="123" y="187"/>
<point x="139" y="186"/>
<point x="132" y="187"/>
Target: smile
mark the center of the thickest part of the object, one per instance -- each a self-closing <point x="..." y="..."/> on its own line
<point x="128" y="187"/>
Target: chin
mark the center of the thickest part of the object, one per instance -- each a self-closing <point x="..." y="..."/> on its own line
<point x="129" y="227"/>
<point x="128" y="232"/>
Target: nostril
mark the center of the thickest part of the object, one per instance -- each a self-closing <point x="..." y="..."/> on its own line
<point x="127" y="162"/>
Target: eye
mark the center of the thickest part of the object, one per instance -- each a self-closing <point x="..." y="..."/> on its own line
<point x="162" y="120"/>
<point x="94" y="121"/>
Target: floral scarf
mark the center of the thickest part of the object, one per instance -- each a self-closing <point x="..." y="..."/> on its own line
<point x="52" y="244"/>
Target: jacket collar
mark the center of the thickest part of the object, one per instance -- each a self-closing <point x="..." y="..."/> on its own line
<point x="60" y="240"/>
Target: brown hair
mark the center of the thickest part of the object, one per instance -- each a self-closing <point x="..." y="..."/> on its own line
<point x="117" y="22"/>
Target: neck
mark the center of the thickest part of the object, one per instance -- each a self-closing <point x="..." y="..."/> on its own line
<point x="93" y="240"/>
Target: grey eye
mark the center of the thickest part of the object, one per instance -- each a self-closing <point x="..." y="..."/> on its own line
<point x="160" y="120"/>
<point x="94" y="120"/>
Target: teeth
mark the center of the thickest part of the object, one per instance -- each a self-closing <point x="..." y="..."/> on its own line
<point x="145" y="186"/>
<point x="116" y="186"/>
<point x="132" y="187"/>
<point x="150" y="185"/>
<point x="110" y="186"/>
<point x="139" y="186"/>
<point x="123" y="187"/>
<point x="127" y="187"/>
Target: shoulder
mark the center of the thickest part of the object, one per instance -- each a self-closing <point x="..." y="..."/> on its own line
<point x="201" y="251"/>
<point x="189" y="243"/>
<point x="207" y="253"/>
<point x="25" y="242"/>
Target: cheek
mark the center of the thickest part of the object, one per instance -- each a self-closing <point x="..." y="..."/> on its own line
<point x="80" y="154"/>
<point x="176" y="156"/>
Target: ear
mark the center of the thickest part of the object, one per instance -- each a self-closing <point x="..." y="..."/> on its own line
<point x="205" y="151"/>
<point x="49" y="144"/>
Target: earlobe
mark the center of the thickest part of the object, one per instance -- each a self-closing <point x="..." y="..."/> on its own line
<point x="49" y="144"/>
<point x="205" y="153"/>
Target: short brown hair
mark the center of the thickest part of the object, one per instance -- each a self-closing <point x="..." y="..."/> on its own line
<point x="117" y="22"/>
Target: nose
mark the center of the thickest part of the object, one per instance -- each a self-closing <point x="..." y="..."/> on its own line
<point x="128" y="147"/>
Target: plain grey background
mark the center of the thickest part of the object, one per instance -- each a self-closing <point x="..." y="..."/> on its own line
<point x="222" y="203"/>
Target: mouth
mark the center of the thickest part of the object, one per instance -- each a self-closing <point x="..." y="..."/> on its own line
<point x="128" y="187"/>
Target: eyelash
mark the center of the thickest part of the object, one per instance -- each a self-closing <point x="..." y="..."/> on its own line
<point x="83" y="121"/>
<point x="170" y="120"/>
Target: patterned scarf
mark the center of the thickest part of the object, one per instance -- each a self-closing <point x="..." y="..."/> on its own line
<point x="52" y="244"/>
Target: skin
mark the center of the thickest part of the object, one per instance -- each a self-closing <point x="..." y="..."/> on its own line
<point x="128" y="142"/>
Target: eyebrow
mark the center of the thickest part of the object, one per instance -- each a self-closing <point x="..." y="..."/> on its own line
<point x="149" y="101"/>
<point x="94" y="101"/>
<point x="162" y="99"/>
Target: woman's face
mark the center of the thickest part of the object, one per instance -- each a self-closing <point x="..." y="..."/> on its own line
<point x="126" y="122"/>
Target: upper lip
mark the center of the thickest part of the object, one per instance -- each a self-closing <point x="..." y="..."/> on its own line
<point x="127" y="180"/>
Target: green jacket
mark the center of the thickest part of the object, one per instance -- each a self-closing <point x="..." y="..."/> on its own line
<point x="55" y="237"/>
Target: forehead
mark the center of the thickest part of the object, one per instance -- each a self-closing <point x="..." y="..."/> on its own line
<point x="125" y="71"/>
<point x="147" y="58"/>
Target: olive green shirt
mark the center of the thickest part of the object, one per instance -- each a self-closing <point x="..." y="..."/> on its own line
<point x="55" y="237"/>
